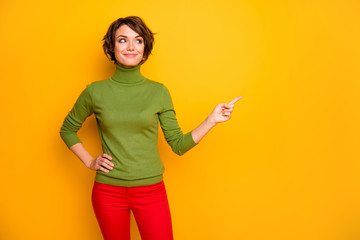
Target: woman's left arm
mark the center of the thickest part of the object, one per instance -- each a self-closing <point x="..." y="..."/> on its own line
<point x="221" y="113"/>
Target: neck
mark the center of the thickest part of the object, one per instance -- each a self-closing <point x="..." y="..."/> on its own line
<point x="128" y="76"/>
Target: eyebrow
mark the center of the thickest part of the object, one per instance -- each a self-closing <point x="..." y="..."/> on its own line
<point x="126" y="36"/>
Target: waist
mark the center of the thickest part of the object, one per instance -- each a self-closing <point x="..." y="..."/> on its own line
<point x="101" y="178"/>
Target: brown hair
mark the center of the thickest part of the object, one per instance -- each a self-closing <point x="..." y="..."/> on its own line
<point x="137" y="25"/>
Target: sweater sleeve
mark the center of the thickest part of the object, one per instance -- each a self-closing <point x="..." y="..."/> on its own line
<point x="82" y="109"/>
<point x="178" y="142"/>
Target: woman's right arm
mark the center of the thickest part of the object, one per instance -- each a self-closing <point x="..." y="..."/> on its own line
<point x="82" y="109"/>
<point x="103" y="160"/>
<point x="79" y="150"/>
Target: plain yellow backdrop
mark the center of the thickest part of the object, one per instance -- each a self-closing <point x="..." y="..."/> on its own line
<point x="285" y="166"/>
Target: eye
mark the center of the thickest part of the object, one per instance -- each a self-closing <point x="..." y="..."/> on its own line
<point x="121" y="40"/>
<point x="139" y="40"/>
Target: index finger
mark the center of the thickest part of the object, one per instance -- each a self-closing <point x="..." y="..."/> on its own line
<point x="235" y="100"/>
<point x="107" y="156"/>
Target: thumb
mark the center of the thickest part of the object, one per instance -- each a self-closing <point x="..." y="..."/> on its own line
<point x="227" y="105"/>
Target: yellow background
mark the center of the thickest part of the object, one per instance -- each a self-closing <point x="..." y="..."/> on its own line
<point x="285" y="166"/>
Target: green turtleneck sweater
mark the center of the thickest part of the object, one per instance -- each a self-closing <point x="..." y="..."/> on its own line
<point x="128" y="108"/>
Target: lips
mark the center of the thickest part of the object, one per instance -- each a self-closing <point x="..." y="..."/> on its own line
<point x="131" y="55"/>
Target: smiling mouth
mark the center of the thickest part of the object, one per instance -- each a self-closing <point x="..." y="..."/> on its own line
<point x="130" y="55"/>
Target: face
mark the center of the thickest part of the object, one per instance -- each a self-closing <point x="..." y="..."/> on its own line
<point x="129" y="47"/>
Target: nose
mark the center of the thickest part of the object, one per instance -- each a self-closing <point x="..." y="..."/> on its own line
<point x="130" y="46"/>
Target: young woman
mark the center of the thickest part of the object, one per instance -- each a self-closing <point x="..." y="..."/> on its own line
<point x="128" y="108"/>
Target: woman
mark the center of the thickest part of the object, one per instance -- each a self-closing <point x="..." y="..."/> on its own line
<point x="128" y="108"/>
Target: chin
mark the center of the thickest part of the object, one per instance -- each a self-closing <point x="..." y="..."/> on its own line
<point x="130" y="63"/>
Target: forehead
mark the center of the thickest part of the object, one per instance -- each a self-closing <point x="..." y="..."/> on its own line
<point x="125" y="30"/>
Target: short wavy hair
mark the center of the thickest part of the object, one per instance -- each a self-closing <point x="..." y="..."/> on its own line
<point x="136" y="24"/>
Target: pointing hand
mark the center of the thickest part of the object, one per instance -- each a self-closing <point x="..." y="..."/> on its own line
<point x="222" y="111"/>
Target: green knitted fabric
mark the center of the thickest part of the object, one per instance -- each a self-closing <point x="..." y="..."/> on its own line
<point x="128" y="108"/>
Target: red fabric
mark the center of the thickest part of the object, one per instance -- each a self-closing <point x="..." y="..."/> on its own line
<point x="112" y="205"/>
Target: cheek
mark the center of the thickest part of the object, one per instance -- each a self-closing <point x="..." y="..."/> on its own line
<point x="118" y="48"/>
<point x="140" y="49"/>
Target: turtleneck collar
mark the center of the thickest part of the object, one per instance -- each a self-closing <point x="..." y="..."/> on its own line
<point x="128" y="76"/>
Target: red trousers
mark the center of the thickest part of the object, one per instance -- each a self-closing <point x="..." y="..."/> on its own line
<point x="149" y="204"/>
